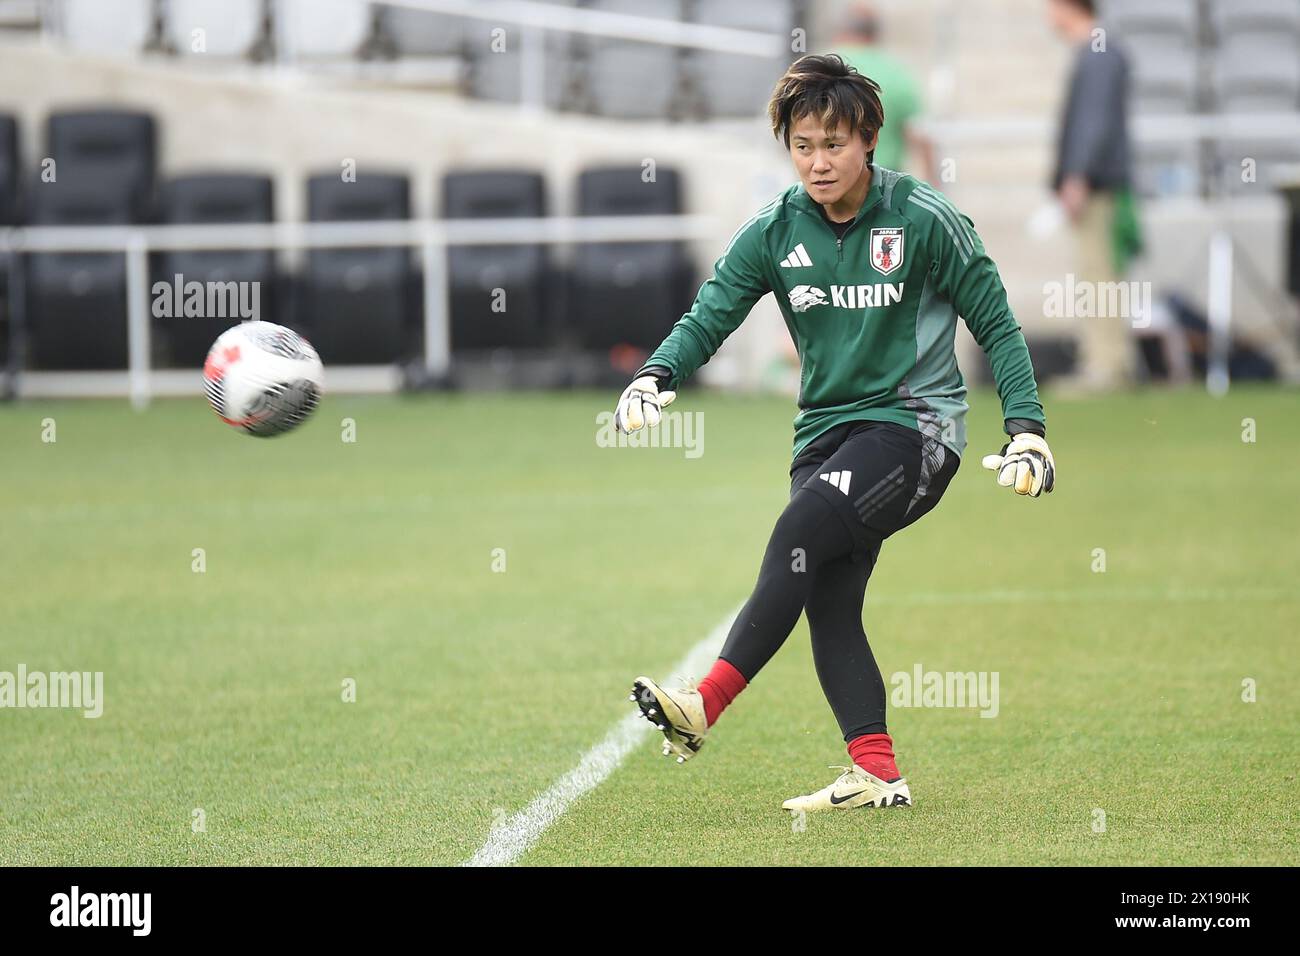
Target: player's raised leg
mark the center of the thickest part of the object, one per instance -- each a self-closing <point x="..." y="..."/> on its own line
<point x="679" y="713"/>
<point x="808" y="533"/>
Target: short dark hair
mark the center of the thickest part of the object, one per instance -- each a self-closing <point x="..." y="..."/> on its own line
<point x="823" y="85"/>
<point x="1087" y="6"/>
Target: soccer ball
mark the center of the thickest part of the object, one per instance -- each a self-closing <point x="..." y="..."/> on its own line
<point x="263" y="378"/>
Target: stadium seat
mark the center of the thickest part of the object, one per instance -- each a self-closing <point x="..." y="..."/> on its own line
<point x="1249" y="76"/>
<point x="231" y="28"/>
<point x="422" y="32"/>
<point x="1166" y="22"/>
<point x="475" y="272"/>
<point x="498" y="74"/>
<point x="1276" y="18"/>
<point x="358" y="305"/>
<point x="616" y="85"/>
<point x="324" y="28"/>
<point x="220" y="198"/>
<point x="76" y="302"/>
<point x="729" y="84"/>
<point x="8" y="170"/>
<point x="616" y="71"/>
<point x="22" y="15"/>
<point x="115" y="149"/>
<point x="1276" y="163"/>
<point x="1165" y="81"/>
<point x="104" y="165"/>
<point x="93" y="26"/>
<point x="627" y="292"/>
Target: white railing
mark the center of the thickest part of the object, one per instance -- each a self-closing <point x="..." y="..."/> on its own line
<point x="603" y="23"/>
<point x="1143" y="128"/>
<point x="534" y="18"/>
<point x="431" y="237"/>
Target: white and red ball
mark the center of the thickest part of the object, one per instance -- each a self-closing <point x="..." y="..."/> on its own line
<point x="263" y="378"/>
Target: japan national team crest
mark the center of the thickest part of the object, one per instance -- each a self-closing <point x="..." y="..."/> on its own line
<point x="886" y="250"/>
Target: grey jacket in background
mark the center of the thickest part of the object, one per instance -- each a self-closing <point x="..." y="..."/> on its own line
<point x="1093" y="139"/>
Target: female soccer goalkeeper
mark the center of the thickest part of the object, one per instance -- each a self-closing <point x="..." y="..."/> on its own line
<point x="871" y="269"/>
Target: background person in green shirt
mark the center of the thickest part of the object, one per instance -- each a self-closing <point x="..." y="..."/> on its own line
<point x="901" y="143"/>
<point x="871" y="269"/>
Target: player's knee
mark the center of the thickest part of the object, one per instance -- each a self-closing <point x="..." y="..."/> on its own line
<point x="822" y="617"/>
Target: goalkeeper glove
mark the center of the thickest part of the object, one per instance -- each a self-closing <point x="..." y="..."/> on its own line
<point x="641" y="403"/>
<point x="1025" y="463"/>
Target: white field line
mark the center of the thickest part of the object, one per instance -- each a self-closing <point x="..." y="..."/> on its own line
<point x="512" y="839"/>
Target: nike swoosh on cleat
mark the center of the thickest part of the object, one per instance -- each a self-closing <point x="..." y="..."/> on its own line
<point x="849" y="797"/>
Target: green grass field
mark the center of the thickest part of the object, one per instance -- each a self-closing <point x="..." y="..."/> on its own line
<point x="477" y="688"/>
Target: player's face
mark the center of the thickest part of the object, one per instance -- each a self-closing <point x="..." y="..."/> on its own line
<point x="829" y="164"/>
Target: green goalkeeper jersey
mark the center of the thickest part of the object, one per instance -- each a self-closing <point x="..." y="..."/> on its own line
<point x="873" y="314"/>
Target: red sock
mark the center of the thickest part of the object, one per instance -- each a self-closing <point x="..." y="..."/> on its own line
<point x="720" y="688"/>
<point x="874" y="753"/>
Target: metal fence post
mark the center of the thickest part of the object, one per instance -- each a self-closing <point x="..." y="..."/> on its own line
<point x="1219" y="313"/>
<point x="137" y="320"/>
<point x="437" y="331"/>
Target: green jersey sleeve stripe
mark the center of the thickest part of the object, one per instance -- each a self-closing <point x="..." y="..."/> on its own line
<point x="749" y="222"/>
<point x="959" y="243"/>
<point x="929" y="192"/>
<point x="954" y="214"/>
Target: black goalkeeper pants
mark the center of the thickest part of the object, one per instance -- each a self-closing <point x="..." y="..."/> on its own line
<point x="851" y="488"/>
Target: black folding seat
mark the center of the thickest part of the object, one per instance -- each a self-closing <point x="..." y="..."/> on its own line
<point x="116" y="148"/>
<point x="498" y="292"/>
<point x="103" y="170"/>
<point x="215" y="198"/>
<point x="628" y="292"/>
<point x="8" y="170"/>
<point x="76" y="301"/>
<point x="359" y="305"/>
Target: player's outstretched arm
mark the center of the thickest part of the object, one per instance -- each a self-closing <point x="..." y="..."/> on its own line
<point x="739" y="280"/>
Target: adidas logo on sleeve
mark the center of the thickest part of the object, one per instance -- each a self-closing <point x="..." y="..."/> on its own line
<point x="797" y="259"/>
